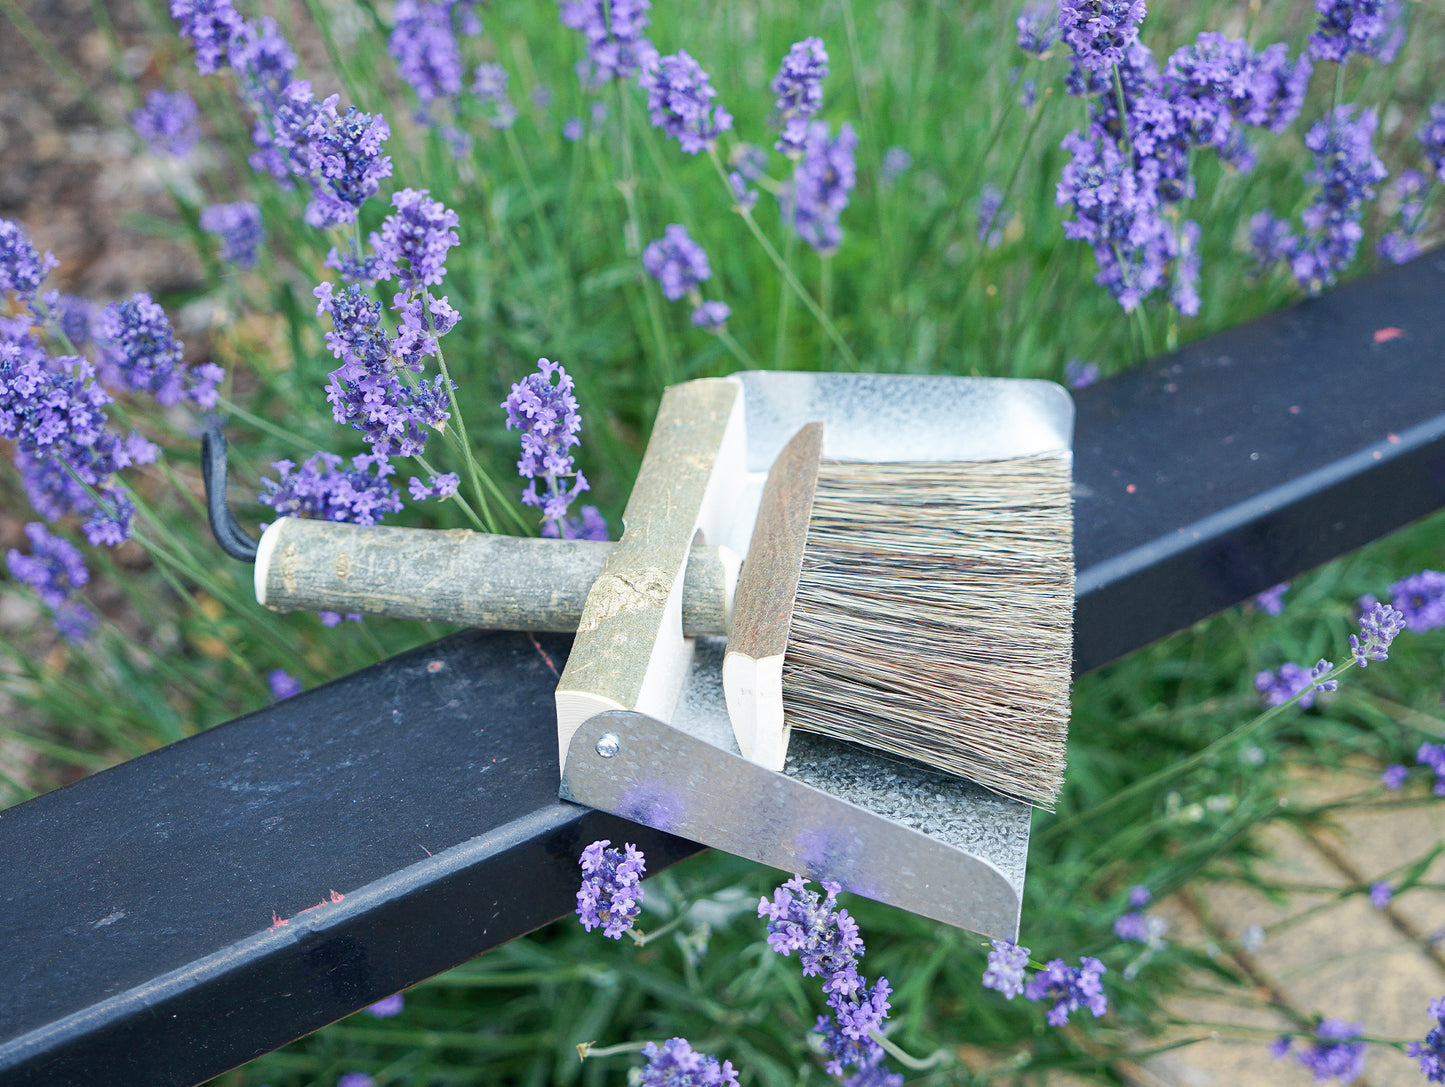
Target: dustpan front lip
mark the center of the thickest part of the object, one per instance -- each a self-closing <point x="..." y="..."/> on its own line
<point x="893" y="417"/>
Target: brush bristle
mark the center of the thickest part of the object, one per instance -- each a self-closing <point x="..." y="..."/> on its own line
<point x="934" y="617"/>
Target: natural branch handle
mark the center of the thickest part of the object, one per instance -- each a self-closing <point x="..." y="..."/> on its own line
<point x="457" y="576"/>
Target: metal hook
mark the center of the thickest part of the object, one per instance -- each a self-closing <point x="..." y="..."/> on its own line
<point x="234" y="539"/>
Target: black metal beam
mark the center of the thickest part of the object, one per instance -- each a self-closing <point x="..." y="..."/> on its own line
<point x="1248" y="457"/>
<point x="136" y="915"/>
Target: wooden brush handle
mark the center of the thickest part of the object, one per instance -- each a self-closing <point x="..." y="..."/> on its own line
<point x="630" y="652"/>
<point x="763" y="607"/>
<point x="457" y="576"/>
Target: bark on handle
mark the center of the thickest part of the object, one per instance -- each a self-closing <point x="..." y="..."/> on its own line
<point x="457" y="576"/>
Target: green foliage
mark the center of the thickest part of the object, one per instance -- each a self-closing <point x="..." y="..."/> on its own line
<point x="549" y="266"/>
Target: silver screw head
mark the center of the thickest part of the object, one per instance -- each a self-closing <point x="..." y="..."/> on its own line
<point x="608" y="745"/>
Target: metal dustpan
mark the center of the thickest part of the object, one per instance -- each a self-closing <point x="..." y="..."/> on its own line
<point x="651" y="741"/>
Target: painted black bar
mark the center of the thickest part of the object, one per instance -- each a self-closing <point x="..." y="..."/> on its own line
<point x="1251" y="456"/>
<point x="137" y="942"/>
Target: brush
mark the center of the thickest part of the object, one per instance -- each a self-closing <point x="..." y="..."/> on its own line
<point x="919" y="608"/>
<point x="923" y="609"/>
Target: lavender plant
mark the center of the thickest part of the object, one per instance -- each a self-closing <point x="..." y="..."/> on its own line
<point x="399" y="208"/>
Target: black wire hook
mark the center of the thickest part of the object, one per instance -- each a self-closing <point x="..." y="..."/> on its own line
<point x="233" y="539"/>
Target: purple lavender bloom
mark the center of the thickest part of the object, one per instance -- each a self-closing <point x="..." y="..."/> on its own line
<point x="1080" y="374"/>
<point x="489" y="85"/>
<point x="342" y="158"/>
<point x="72" y="317"/>
<point x="588" y="524"/>
<point x="1116" y="211"/>
<point x="210" y="26"/>
<point x="283" y="684"/>
<point x="1381" y="893"/>
<point x="22" y="269"/>
<point x="388" y="1007"/>
<point x="1420" y="599"/>
<point x="1334" y="1054"/>
<point x="896" y="162"/>
<point x="799" y="919"/>
<point x="1271" y="239"/>
<point x="354" y="267"/>
<point x="1271" y="601"/>
<point x="355" y="1079"/>
<point x="1038" y="27"/>
<point x="238" y="225"/>
<point x="990" y="226"/>
<point x="1139" y="926"/>
<point x="137" y="340"/>
<point x="1140" y="896"/>
<point x="573" y="129"/>
<point x="1346" y="169"/>
<point x="1379" y="625"/>
<point x="439" y="486"/>
<point x="799" y="90"/>
<point x="53" y="409"/>
<point x="1277" y="688"/>
<point x="829" y="946"/>
<point x="1006" y="965"/>
<point x="366" y="390"/>
<point x="1394" y="777"/>
<point x="1433" y="756"/>
<point x="822" y="184"/>
<point x="617" y="45"/>
<point x="547" y="416"/>
<point x="677" y="262"/>
<point x="167" y="122"/>
<point x="1367" y="27"/>
<point x="711" y="314"/>
<point x="423" y="42"/>
<point x="1099" y="31"/>
<point x="1275" y="88"/>
<point x="1070" y="988"/>
<point x="417" y="235"/>
<point x="679" y="100"/>
<point x="1432" y="139"/>
<point x="611" y="894"/>
<point x="676" y="1064"/>
<point x="55" y="570"/>
<point x="324" y="490"/>
<point x="1431" y="1053"/>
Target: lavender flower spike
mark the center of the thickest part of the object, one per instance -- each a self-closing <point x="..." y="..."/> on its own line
<point x="799" y="89"/>
<point x="1334" y="1052"/>
<point x="1379" y="625"/>
<point x="677" y="262"/>
<point x="1070" y="987"/>
<point x="676" y="1064"/>
<point x="22" y="269"/>
<point x="547" y="416"/>
<point x="610" y="897"/>
<point x="1006" y="964"/>
<point x="239" y="227"/>
<point x="1420" y="598"/>
<point x="1431" y="1053"/>
<point x="414" y="240"/>
<point x="822" y="185"/>
<point x="140" y="347"/>
<point x="1100" y="31"/>
<point x="617" y="45"/>
<point x="323" y="489"/>
<point x="166" y="121"/>
<point x="679" y="100"/>
<point x="55" y="570"/>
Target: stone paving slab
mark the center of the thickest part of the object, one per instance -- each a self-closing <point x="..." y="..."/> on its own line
<point x="1346" y="960"/>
